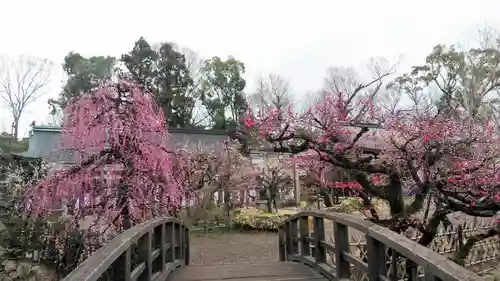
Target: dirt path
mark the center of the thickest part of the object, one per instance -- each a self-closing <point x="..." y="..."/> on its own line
<point x="235" y="247"/>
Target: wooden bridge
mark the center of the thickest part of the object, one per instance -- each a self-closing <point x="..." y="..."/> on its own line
<point x="158" y="250"/>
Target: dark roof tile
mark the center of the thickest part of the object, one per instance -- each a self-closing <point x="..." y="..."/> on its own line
<point x="44" y="142"/>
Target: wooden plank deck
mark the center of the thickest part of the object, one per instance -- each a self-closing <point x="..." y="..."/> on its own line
<point x="270" y="271"/>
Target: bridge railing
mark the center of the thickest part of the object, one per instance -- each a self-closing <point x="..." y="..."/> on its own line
<point x="388" y="255"/>
<point x="145" y="252"/>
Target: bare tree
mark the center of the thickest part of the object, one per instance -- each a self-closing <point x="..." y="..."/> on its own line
<point x="341" y="80"/>
<point x="273" y="91"/>
<point x="345" y="83"/>
<point x="195" y="65"/>
<point x="488" y="37"/>
<point x="307" y="100"/>
<point x="22" y="81"/>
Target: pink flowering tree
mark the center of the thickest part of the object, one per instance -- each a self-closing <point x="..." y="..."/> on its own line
<point x="331" y="129"/>
<point x="420" y="151"/>
<point x="452" y="160"/>
<point x="326" y="181"/>
<point x="275" y="178"/>
<point x="124" y="173"/>
<point x="221" y="170"/>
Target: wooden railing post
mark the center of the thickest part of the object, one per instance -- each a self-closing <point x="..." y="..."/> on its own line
<point x="319" y="236"/>
<point x="163" y="246"/>
<point x="175" y="241"/>
<point x="128" y="264"/>
<point x="180" y="244"/>
<point x="145" y="255"/>
<point x="394" y="265"/>
<point x="122" y="267"/>
<point x="169" y="230"/>
<point x="305" y="249"/>
<point x="341" y="238"/>
<point x="158" y="250"/>
<point x="187" y="250"/>
<point x="292" y="236"/>
<point x="376" y="258"/>
<point x="282" y="242"/>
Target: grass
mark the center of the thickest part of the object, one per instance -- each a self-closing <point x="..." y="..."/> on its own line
<point x="200" y="231"/>
<point x="256" y="212"/>
<point x="207" y="227"/>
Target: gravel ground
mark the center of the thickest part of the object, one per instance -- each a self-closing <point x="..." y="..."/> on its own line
<point x="235" y="247"/>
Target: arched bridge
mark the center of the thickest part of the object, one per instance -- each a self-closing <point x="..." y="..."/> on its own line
<point x="158" y="250"/>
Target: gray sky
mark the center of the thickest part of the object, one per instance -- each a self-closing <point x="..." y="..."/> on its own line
<point x="296" y="39"/>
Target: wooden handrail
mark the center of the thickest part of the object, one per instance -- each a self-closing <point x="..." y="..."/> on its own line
<point x="386" y="250"/>
<point x="162" y="245"/>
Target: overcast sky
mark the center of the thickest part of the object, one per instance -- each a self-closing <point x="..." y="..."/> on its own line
<point x="296" y="39"/>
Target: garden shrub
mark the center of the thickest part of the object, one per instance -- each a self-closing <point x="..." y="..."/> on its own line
<point x="253" y="219"/>
<point x="258" y="222"/>
<point x="11" y="270"/>
<point x="354" y="204"/>
<point x="30" y="243"/>
<point x="47" y="243"/>
<point x="250" y="219"/>
<point x="492" y="276"/>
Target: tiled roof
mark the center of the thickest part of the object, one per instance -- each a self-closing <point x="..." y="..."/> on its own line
<point x="44" y="142"/>
<point x="374" y="138"/>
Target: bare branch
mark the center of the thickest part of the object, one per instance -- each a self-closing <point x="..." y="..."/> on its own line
<point x="195" y="63"/>
<point x="273" y="92"/>
<point x="488" y="37"/>
<point x="22" y="81"/>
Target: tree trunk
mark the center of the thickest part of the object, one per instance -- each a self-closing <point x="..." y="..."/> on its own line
<point x="15" y="129"/>
<point x="326" y="198"/>
<point x="395" y="197"/>
<point x="123" y="203"/>
<point x="269" y="202"/>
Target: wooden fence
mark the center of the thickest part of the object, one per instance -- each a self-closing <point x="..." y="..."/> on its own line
<point x="243" y="197"/>
<point x="484" y="256"/>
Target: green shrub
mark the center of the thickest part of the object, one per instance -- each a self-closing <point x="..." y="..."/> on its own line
<point x="46" y="241"/>
<point x="354" y="204"/>
<point x="253" y="219"/>
<point x="256" y="222"/>
<point x="22" y="271"/>
<point x="60" y="250"/>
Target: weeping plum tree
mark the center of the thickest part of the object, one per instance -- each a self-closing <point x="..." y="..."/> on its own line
<point x="125" y="172"/>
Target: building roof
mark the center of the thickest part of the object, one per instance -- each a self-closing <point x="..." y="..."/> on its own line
<point x="44" y="142"/>
<point x="374" y="139"/>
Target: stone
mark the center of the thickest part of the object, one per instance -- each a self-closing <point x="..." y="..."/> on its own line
<point x="10" y="266"/>
<point x="13" y="275"/>
<point x="5" y="277"/>
<point x="24" y="269"/>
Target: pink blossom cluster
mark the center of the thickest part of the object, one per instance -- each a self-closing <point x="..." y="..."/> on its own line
<point x="124" y="160"/>
<point x="456" y="155"/>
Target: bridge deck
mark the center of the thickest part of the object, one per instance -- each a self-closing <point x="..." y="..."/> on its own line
<point x="269" y="271"/>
